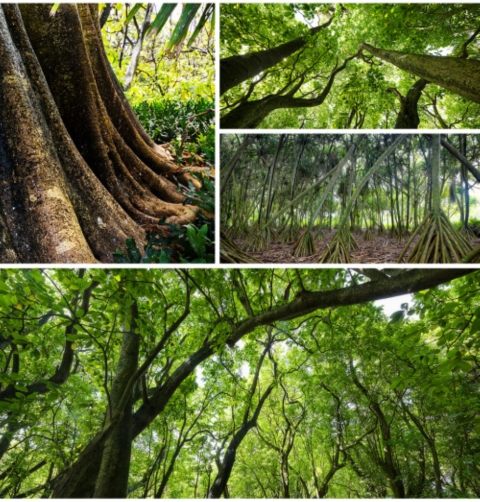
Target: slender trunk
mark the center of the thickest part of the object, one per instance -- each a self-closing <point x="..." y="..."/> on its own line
<point x="435" y="166"/>
<point x="137" y="49"/>
<point x="112" y="479"/>
<point x="446" y="144"/>
<point x="464" y="175"/>
<point x="228" y="169"/>
<point x="371" y="171"/>
<point x="228" y="461"/>
<point x="458" y="75"/>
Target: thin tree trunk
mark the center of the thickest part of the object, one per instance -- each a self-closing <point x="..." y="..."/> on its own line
<point x="137" y="49"/>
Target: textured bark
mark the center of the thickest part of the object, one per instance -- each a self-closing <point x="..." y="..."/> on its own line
<point x="458" y="75"/>
<point x="79" y="174"/>
<point x="236" y="69"/>
<point x="408" y="115"/>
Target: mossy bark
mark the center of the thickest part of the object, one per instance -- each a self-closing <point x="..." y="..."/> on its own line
<point x="79" y="174"/>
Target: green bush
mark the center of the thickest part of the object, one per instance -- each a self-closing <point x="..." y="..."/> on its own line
<point x="180" y="244"/>
<point x="187" y="125"/>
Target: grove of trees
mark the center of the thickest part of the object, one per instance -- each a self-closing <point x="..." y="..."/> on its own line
<point x="254" y="383"/>
<point x="350" y="66"/>
<point x="344" y="198"/>
<point x="79" y="173"/>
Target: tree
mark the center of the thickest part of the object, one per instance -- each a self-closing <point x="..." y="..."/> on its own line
<point x="459" y="75"/>
<point x="129" y="347"/>
<point x="80" y="173"/>
<point x="374" y="90"/>
<point x="236" y="69"/>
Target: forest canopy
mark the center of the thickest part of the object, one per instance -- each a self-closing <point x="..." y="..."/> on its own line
<point x="350" y="66"/>
<point x="242" y="383"/>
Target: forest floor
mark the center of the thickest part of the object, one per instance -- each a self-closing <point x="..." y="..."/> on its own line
<point x="382" y="249"/>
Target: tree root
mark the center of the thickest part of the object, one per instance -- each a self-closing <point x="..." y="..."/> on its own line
<point x="290" y="233"/>
<point x="258" y="239"/>
<point x="231" y="253"/>
<point x="368" y="235"/>
<point x="439" y="242"/>
<point x="305" y="245"/>
<point x="338" y="251"/>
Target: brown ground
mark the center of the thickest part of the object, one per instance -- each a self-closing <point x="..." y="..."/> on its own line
<point x="383" y="249"/>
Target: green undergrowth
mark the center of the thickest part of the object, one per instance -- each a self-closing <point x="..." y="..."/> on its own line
<point x="188" y="127"/>
<point x="192" y="243"/>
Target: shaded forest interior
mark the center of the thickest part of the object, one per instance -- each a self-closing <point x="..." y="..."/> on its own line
<point x="258" y="383"/>
<point x="344" y="198"/>
<point x="350" y="66"/>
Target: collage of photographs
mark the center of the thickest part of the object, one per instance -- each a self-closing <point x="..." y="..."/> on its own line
<point x="240" y="250"/>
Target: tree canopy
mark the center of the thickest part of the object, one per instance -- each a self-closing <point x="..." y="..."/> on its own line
<point x="242" y="383"/>
<point x="350" y="65"/>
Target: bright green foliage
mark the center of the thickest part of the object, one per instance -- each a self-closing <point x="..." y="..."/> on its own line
<point x="356" y="393"/>
<point x="188" y="125"/>
<point x="183" y="73"/>
<point x="361" y="96"/>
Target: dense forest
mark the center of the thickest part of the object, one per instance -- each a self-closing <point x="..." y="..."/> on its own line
<point x="82" y="179"/>
<point x="239" y="383"/>
<point x="350" y="66"/>
<point x="343" y="198"/>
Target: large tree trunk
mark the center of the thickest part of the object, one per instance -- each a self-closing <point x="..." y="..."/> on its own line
<point x="79" y="174"/>
<point x="459" y="75"/>
<point x="236" y="69"/>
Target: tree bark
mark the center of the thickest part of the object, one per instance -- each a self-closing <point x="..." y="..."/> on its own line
<point x="458" y="75"/>
<point x="79" y="174"/>
<point x="228" y="461"/>
<point x="408" y="115"/>
<point x="112" y="479"/>
<point x="236" y="69"/>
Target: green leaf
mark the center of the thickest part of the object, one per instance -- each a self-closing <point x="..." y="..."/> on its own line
<point x="132" y="13"/>
<point x="206" y="14"/>
<point x="4" y="288"/>
<point x="133" y="252"/>
<point x="161" y="18"/>
<point x="181" y="28"/>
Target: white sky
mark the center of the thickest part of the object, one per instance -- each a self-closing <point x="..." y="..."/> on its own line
<point x="391" y="305"/>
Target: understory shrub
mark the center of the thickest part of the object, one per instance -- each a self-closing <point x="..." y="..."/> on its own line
<point x="187" y="126"/>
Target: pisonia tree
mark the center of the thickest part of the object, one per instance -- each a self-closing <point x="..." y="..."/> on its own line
<point x="79" y="174"/>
